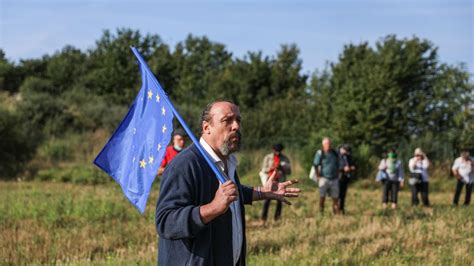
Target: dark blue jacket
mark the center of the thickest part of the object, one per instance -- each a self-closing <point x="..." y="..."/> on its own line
<point x="188" y="182"/>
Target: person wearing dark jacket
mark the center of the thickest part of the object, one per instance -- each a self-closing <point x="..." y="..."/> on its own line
<point x="346" y="173"/>
<point x="200" y="221"/>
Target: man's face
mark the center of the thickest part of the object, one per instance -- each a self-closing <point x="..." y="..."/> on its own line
<point x="326" y="144"/>
<point x="342" y="151"/>
<point x="178" y="141"/>
<point x="223" y="130"/>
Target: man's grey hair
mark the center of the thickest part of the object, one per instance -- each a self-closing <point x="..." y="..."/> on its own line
<point x="326" y="139"/>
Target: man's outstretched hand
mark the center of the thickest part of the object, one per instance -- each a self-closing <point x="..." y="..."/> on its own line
<point x="280" y="191"/>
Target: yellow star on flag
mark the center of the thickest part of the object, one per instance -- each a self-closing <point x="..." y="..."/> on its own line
<point x="150" y="94"/>
<point x="151" y="159"/>
<point x="159" y="147"/>
<point x="164" y="129"/>
<point x="142" y="164"/>
<point x="157" y="98"/>
<point x="163" y="111"/>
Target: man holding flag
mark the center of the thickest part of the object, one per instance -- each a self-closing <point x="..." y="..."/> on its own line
<point x="200" y="212"/>
<point x="202" y="222"/>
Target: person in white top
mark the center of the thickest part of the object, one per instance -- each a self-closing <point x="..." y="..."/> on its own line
<point x="463" y="170"/>
<point x="393" y="171"/>
<point x="418" y="166"/>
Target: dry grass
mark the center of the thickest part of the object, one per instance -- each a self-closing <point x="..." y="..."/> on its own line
<point x="55" y="223"/>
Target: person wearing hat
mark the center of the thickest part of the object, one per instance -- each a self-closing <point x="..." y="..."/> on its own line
<point x="277" y="164"/>
<point x="393" y="170"/>
<point x="418" y="166"/>
<point x="463" y="170"/>
<point x="172" y="151"/>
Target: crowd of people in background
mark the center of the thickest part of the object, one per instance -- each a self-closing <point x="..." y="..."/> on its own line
<point x="334" y="169"/>
<point x="391" y="176"/>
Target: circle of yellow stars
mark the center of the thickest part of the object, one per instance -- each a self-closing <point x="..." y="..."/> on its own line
<point x="151" y="159"/>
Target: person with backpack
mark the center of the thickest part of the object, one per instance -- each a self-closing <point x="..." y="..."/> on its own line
<point x="346" y="171"/>
<point x="463" y="170"/>
<point x="393" y="171"/>
<point x="419" y="178"/>
<point x="326" y="163"/>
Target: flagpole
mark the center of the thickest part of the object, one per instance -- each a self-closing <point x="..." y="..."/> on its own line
<point x="190" y="133"/>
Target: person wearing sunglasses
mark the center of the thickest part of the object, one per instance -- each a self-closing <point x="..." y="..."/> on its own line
<point x="418" y="166"/>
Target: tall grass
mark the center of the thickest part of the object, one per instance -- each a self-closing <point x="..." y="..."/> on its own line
<point x="51" y="223"/>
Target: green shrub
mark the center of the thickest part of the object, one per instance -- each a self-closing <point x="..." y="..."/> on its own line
<point x="56" y="151"/>
<point x="77" y="174"/>
<point x="17" y="144"/>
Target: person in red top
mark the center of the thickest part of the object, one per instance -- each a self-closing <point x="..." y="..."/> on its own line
<point x="278" y="165"/>
<point x="172" y="151"/>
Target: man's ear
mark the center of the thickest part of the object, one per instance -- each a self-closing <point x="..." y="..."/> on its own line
<point x="205" y="128"/>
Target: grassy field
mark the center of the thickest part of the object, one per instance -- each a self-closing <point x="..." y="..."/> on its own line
<point x="56" y="223"/>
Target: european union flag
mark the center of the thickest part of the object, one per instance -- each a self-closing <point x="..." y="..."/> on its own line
<point x="133" y="154"/>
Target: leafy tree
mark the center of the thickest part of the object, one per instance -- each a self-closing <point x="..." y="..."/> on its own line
<point x="199" y="63"/>
<point x="10" y="77"/>
<point x="66" y="68"/>
<point x="394" y="91"/>
<point x="113" y="68"/>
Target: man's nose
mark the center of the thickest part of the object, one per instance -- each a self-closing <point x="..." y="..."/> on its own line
<point x="235" y="125"/>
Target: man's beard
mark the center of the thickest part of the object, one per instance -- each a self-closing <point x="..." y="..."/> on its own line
<point x="226" y="147"/>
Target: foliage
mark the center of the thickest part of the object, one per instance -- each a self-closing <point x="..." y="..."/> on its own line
<point x="394" y="93"/>
<point x="76" y="174"/>
<point x="17" y="144"/>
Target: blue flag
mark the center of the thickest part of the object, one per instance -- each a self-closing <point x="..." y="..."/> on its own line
<point x="134" y="153"/>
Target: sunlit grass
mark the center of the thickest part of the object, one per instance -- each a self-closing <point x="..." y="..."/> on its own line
<point x="45" y="222"/>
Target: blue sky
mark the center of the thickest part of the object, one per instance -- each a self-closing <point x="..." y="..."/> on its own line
<point x="31" y="28"/>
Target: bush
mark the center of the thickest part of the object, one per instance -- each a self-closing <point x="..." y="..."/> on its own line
<point x="17" y="144"/>
<point x="77" y="174"/>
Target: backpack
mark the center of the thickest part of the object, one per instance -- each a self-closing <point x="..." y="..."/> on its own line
<point x="323" y="156"/>
<point x="391" y="166"/>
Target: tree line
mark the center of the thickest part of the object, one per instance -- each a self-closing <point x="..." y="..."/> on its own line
<point x="394" y="93"/>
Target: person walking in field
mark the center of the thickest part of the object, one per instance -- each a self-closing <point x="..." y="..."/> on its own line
<point x="277" y="164"/>
<point x="346" y="170"/>
<point x="393" y="170"/>
<point x="463" y="170"/>
<point x="326" y="163"/>
<point x="418" y="166"/>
